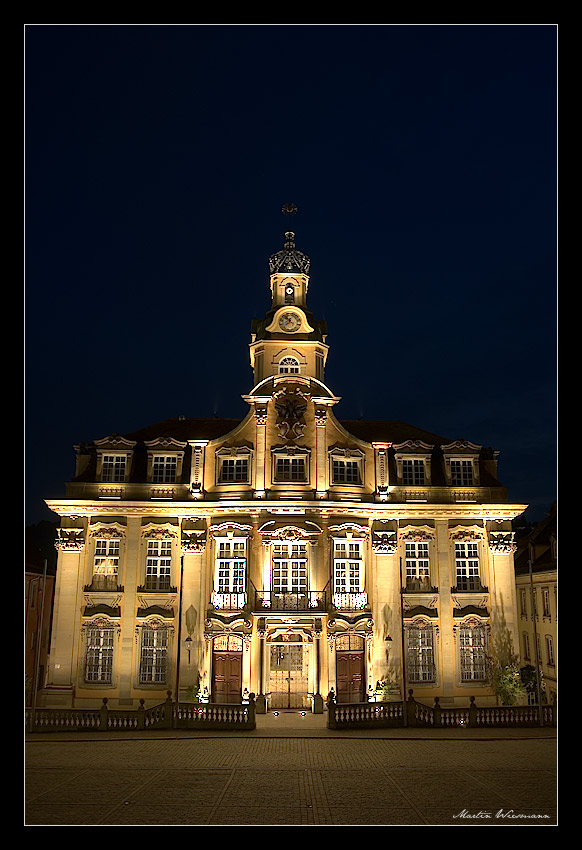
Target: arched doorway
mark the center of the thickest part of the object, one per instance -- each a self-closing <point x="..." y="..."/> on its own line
<point x="289" y="671"/>
<point x="227" y="669"/>
<point x="350" y="668"/>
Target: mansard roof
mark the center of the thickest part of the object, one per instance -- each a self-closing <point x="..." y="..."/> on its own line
<point x="370" y="430"/>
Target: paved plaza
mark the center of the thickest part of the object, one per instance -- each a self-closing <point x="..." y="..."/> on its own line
<point x="293" y="771"/>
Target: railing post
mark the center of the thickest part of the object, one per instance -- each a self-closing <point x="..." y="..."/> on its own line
<point x="168" y="710"/>
<point x="472" y="713"/>
<point x="251" y="710"/>
<point x="437" y="712"/>
<point x="141" y="715"/>
<point x="410" y="709"/>
<point x="103" y="715"/>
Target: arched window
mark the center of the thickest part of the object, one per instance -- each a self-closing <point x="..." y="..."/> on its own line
<point x="288" y="366"/>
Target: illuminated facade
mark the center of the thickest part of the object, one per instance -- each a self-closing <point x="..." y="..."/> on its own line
<point x="287" y="554"/>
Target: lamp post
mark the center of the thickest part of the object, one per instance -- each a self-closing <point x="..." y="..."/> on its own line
<point x="404" y="710"/>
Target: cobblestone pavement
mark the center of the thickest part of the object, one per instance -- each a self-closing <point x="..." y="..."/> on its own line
<point x="290" y="774"/>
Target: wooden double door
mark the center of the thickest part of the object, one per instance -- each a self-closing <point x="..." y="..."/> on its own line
<point x="227" y="670"/>
<point x="350" y="669"/>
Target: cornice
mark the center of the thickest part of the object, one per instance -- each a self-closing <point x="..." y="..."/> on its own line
<point x="383" y="510"/>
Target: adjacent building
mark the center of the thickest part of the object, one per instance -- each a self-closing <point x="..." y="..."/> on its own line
<point x="536" y="578"/>
<point x="286" y="554"/>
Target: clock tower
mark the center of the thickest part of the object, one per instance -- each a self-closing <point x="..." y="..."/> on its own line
<point x="289" y="340"/>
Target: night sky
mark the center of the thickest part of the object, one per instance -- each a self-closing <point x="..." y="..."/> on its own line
<point x="422" y="160"/>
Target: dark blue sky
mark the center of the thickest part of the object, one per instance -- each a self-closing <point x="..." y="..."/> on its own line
<point x="423" y="163"/>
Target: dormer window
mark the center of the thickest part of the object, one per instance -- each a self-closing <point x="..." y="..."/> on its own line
<point x="233" y="465"/>
<point x="347" y="467"/>
<point x="462" y="464"/>
<point x="462" y="473"/>
<point x="164" y="469"/>
<point x="289" y="366"/>
<point x="413" y="472"/>
<point x="291" y="466"/>
<point x="413" y="463"/>
<point x="290" y="469"/>
<point x="113" y="468"/>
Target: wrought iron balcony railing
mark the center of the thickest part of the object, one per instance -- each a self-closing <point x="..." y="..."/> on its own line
<point x="350" y="601"/>
<point x="307" y="600"/>
<point x="228" y="601"/>
<point x="156" y="586"/>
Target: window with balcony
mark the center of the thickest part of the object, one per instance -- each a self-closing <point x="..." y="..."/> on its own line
<point x="420" y="666"/>
<point x="230" y="573"/>
<point x="348" y="574"/>
<point x="417" y="566"/>
<point x="289" y="568"/>
<point x="106" y="564"/>
<point x="164" y="469"/>
<point x="467" y="567"/>
<point x="99" y="647"/>
<point x="113" y="468"/>
<point x="153" y="667"/>
<point x="158" y="565"/>
<point x="473" y="653"/>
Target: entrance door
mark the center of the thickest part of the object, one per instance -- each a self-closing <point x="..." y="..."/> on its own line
<point x="350" y="669"/>
<point x="289" y="673"/>
<point x="227" y="669"/>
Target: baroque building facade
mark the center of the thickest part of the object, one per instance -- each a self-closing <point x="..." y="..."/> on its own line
<point x="288" y="554"/>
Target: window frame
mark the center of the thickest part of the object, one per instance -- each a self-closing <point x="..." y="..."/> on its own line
<point x="341" y="456"/>
<point x="473" y="651"/>
<point x="426" y="670"/>
<point x="160" y="649"/>
<point x="161" y="563"/>
<point x="281" y="455"/>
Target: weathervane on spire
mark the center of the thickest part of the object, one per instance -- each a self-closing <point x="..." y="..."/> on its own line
<point x="289" y="209"/>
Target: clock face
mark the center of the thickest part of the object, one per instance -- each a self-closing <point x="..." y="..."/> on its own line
<point x="289" y="322"/>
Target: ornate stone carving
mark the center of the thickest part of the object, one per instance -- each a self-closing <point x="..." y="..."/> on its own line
<point x="291" y="406"/>
<point x="107" y="531"/>
<point x="470" y="534"/>
<point x="384" y="543"/>
<point x="70" y="539"/>
<point x="416" y="535"/>
<point x="502" y="541"/>
<point x="156" y="532"/>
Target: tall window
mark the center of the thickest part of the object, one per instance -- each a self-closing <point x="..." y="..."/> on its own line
<point x="154" y="655"/>
<point x="526" y="650"/>
<point x="462" y="473"/>
<point x="473" y="653"/>
<point x="467" y="566"/>
<point x="99" y="654"/>
<point x="106" y="563"/>
<point x="420" y="666"/>
<point x="289" y="568"/>
<point x="164" y="469"/>
<point x="417" y="566"/>
<point x="113" y="468"/>
<point x="348" y="567"/>
<point x="546" y="601"/>
<point x="290" y="469"/>
<point x="289" y="366"/>
<point x="230" y="566"/>
<point x="233" y="470"/>
<point x="550" y="651"/>
<point x="345" y="471"/>
<point x="413" y="472"/>
<point x="158" y="565"/>
<point x="523" y="603"/>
